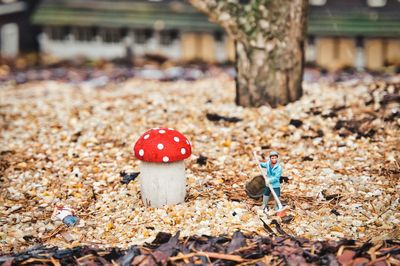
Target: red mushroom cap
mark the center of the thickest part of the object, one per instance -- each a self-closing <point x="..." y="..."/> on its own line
<point x="162" y="145"/>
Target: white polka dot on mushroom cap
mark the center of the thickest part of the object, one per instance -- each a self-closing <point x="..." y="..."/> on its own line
<point x="165" y="159"/>
<point x="183" y="151"/>
<point x="170" y="128"/>
<point x="176" y="139"/>
<point x="160" y="146"/>
<point x="162" y="131"/>
<point x="141" y="152"/>
<point x="146" y="136"/>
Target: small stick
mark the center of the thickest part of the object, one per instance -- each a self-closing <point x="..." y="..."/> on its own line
<point x="93" y="195"/>
<point x="278" y="227"/>
<point x="210" y="255"/>
<point x="266" y="226"/>
<point x="31" y="260"/>
<point x="55" y="262"/>
<point x="140" y="223"/>
<point x="373" y="207"/>
<point x="57" y="230"/>
<point x="251" y="246"/>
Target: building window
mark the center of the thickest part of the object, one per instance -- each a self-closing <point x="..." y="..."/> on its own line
<point x="84" y="34"/>
<point x="376" y="3"/>
<point x="111" y="35"/>
<point x="311" y="40"/>
<point x="336" y="48"/>
<point x="142" y="35"/>
<point x="56" y="33"/>
<point x="9" y="39"/>
<point x="317" y="2"/>
<point x="359" y="41"/>
<point x="218" y="36"/>
<point x="168" y="36"/>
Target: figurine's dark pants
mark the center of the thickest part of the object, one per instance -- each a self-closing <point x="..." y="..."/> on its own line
<point x="267" y="191"/>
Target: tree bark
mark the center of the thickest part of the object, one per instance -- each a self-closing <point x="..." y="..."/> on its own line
<point x="269" y="37"/>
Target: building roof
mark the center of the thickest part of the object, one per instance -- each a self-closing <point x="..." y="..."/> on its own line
<point x="355" y="18"/>
<point x="334" y="18"/>
<point x="133" y="14"/>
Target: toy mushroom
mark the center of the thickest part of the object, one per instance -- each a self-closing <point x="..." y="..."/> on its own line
<point x="162" y="171"/>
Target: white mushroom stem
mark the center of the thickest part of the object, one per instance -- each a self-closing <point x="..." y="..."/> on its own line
<point x="162" y="183"/>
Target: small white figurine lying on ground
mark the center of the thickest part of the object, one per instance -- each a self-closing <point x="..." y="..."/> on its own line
<point x="66" y="215"/>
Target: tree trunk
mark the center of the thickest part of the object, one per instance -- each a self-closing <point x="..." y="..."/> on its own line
<point x="272" y="77"/>
<point x="269" y="37"/>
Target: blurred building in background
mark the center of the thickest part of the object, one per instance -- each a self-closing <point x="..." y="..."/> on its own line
<point x="354" y="33"/>
<point x="364" y="34"/>
<point x="17" y="34"/>
<point x="109" y="29"/>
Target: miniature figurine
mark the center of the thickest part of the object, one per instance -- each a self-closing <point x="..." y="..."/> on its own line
<point x="274" y="172"/>
<point x="66" y="215"/>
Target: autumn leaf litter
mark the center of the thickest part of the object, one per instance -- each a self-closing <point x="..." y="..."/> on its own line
<point x="66" y="144"/>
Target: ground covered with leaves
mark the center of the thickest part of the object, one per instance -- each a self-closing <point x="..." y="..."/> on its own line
<point x="240" y="249"/>
<point x="71" y="144"/>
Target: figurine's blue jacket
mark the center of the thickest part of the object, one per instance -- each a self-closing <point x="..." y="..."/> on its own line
<point x="273" y="173"/>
